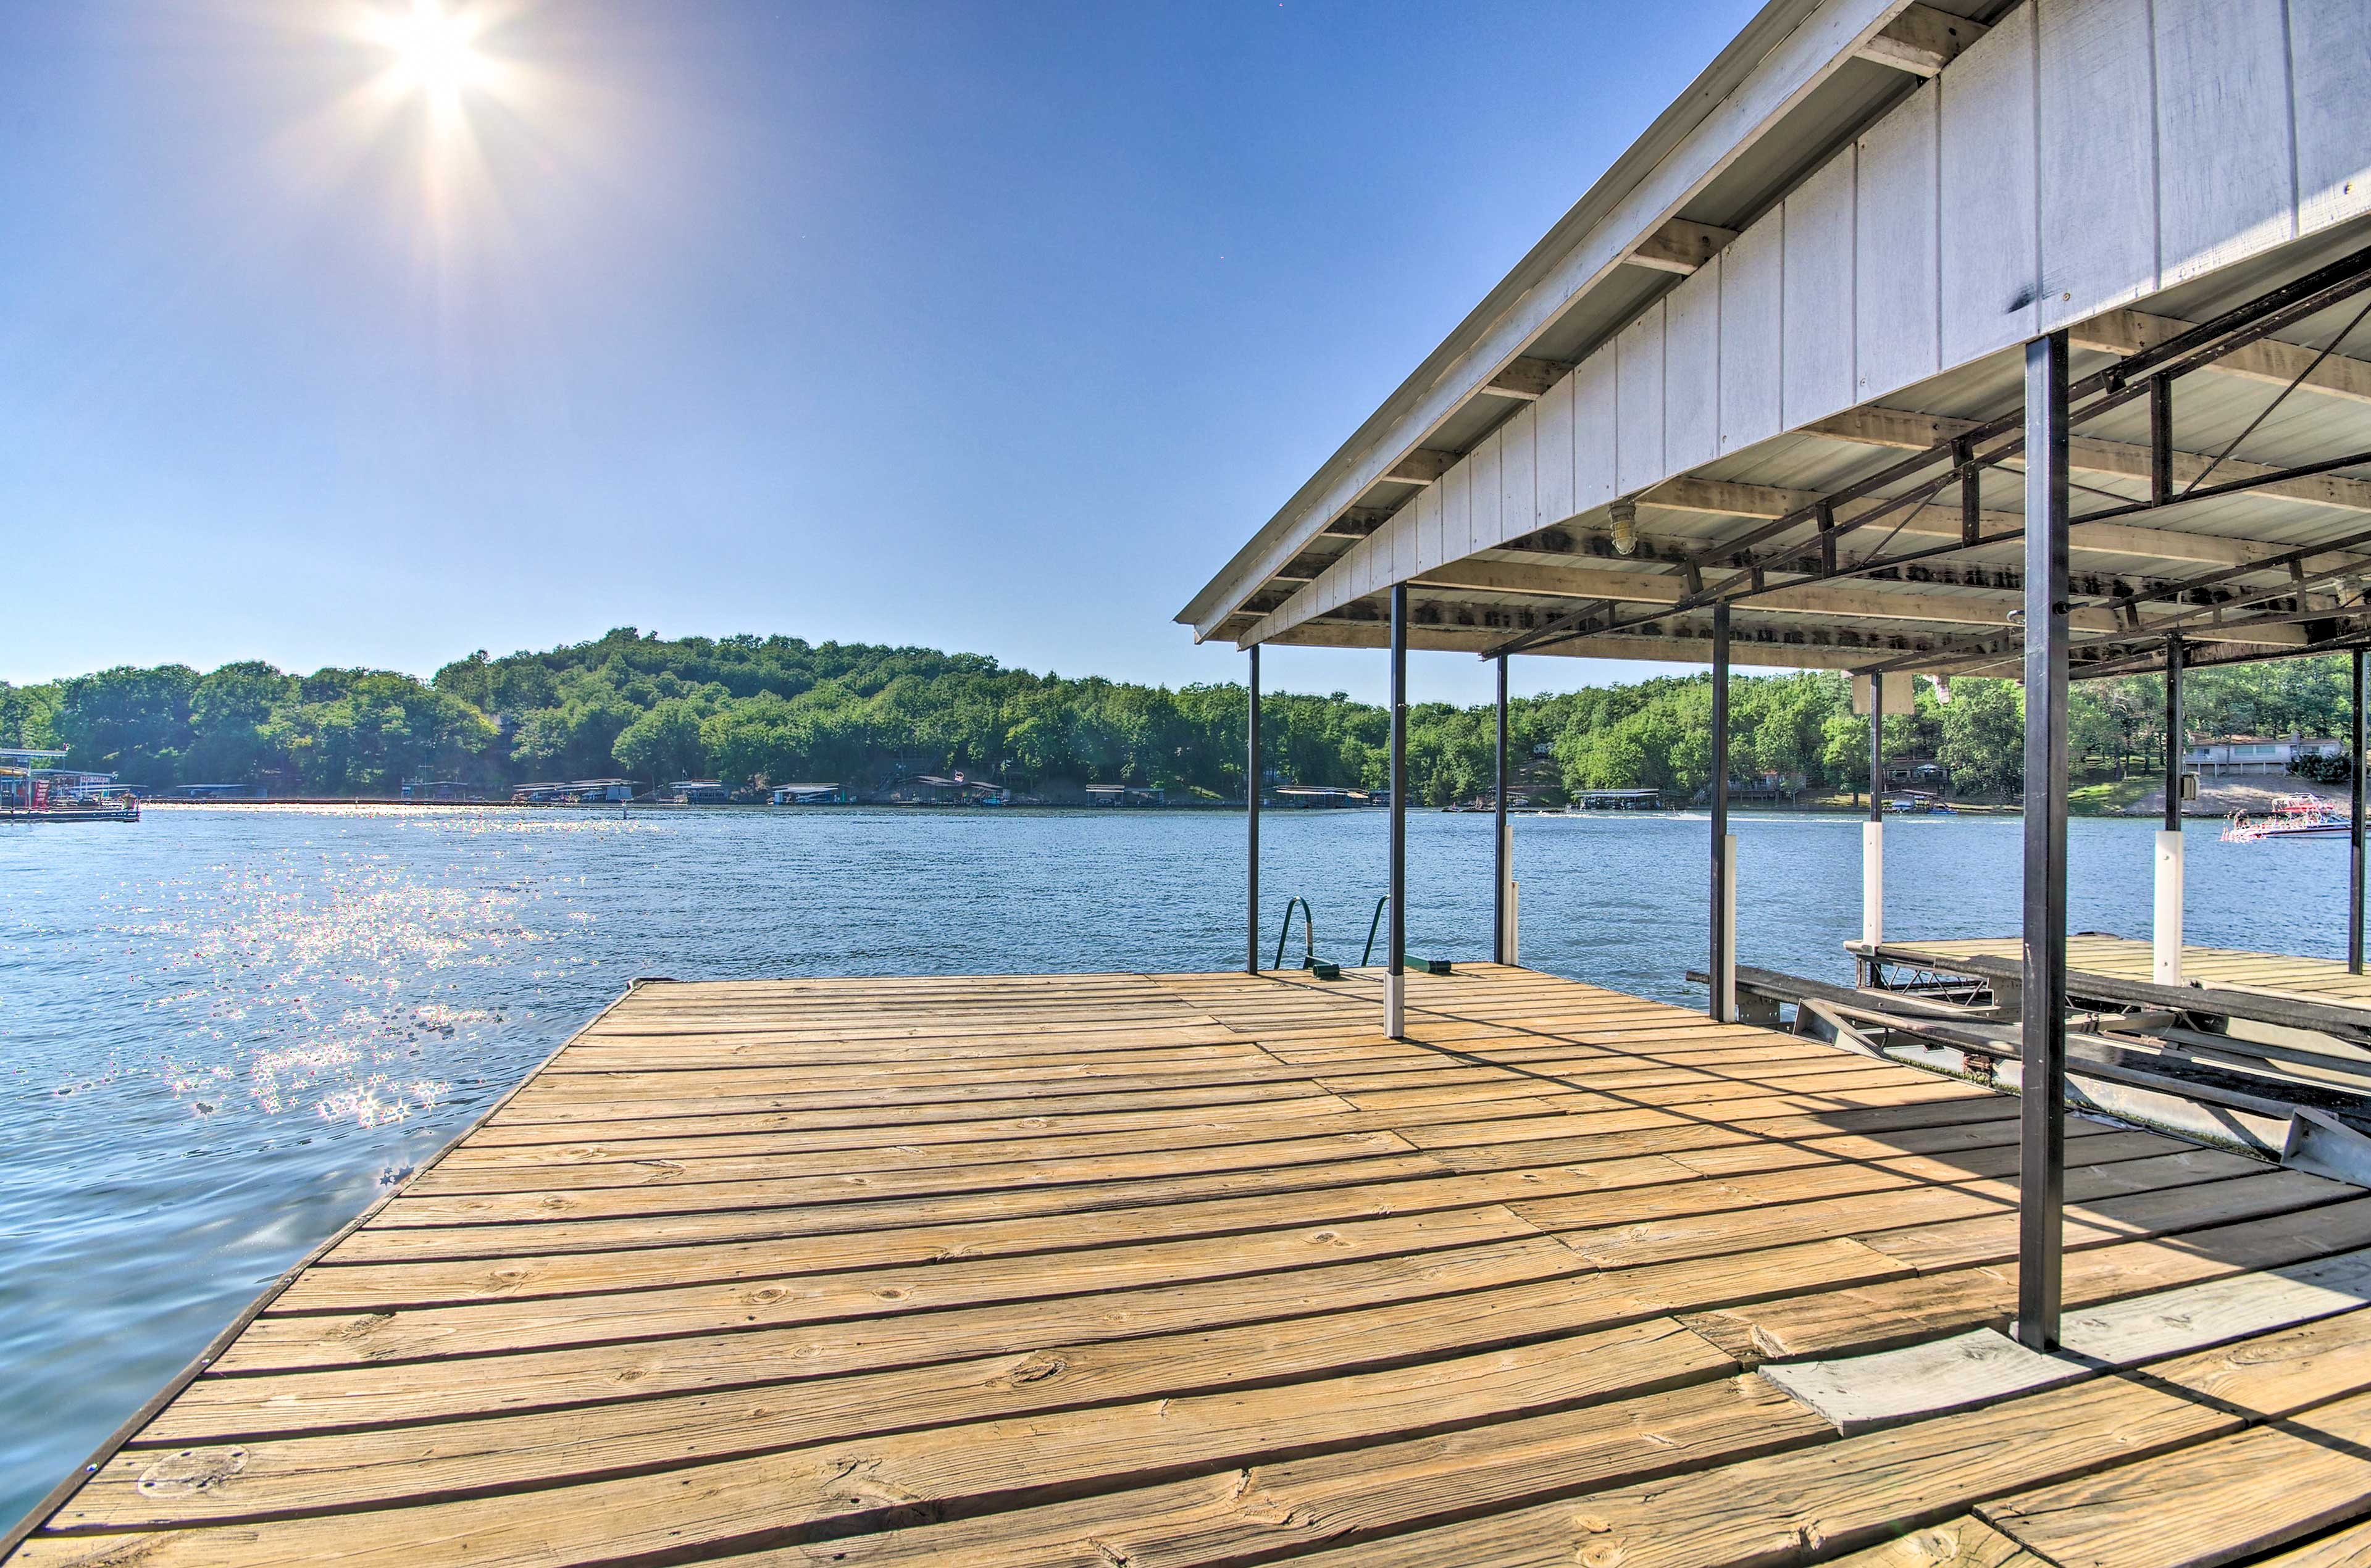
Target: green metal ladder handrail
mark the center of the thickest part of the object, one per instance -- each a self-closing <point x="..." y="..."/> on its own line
<point x="1308" y="933"/>
<point x="1423" y="966"/>
<point x="1309" y="959"/>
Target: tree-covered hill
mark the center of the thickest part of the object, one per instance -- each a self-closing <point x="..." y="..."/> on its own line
<point x="752" y="710"/>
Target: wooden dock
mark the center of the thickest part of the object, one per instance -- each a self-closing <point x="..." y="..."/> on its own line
<point x="1123" y="1269"/>
<point x="2124" y="958"/>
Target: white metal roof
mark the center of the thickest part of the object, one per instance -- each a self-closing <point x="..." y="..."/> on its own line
<point x="1891" y="238"/>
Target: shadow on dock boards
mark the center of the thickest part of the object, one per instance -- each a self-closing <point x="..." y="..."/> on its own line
<point x="1202" y="1269"/>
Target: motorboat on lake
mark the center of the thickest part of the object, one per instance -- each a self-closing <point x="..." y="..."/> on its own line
<point x="2291" y="816"/>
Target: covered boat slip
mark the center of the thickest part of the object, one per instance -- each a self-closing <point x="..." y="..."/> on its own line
<point x="1202" y="1269"/>
<point x="1963" y="339"/>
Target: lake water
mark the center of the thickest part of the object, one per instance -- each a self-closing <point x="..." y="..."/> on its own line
<point x="224" y="1030"/>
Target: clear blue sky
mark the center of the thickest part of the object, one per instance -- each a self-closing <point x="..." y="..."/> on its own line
<point x="993" y="326"/>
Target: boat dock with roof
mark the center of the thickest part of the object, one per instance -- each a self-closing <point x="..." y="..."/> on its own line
<point x="1963" y="337"/>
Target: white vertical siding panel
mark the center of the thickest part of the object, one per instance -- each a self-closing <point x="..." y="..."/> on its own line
<point x="1553" y="452"/>
<point x="1596" y="427"/>
<point x="1518" y="495"/>
<point x="1482" y="517"/>
<point x="2224" y="163"/>
<point x="1752" y="270"/>
<point x="2330" y="55"/>
<point x="1430" y="519"/>
<point x="1638" y="443"/>
<point x="1894" y="271"/>
<point x="1364" y="574"/>
<point x="1692" y="369"/>
<point x="1817" y="327"/>
<point x="1990" y="162"/>
<point x="2098" y="158"/>
<point x="1456" y="517"/>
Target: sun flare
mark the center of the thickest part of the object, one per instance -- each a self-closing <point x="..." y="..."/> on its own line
<point x="435" y="51"/>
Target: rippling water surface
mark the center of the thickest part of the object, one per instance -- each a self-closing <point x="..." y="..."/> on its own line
<point x="224" y="1030"/>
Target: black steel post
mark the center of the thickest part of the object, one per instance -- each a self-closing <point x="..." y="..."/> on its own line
<point x="2160" y="410"/>
<point x="1250" y="816"/>
<point x="1963" y="453"/>
<point x="1499" y="953"/>
<point x="1720" y="933"/>
<point x="1398" y="891"/>
<point x="2173" y="726"/>
<point x="2041" y="1170"/>
<point x="2355" y="832"/>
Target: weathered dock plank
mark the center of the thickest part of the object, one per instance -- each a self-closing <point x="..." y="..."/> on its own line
<point x="1202" y="1269"/>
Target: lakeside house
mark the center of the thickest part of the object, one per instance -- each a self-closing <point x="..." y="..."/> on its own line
<point x="2245" y="756"/>
<point x="700" y="791"/>
<point x="1918" y="775"/>
<point x="809" y="795"/>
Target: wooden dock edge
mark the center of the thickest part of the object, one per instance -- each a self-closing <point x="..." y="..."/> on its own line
<point x="56" y="1497"/>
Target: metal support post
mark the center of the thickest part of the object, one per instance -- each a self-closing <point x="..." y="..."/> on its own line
<point x="2168" y="965"/>
<point x="1395" y="974"/>
<point x="1502" y="949"/>
<point x="2354" y="831"/>
<point x="1963" y="454"/>
<point x="1872" y="832"/>
<point x="1723" y="967"/>
<point x="1251" y="813"/>
<point x="2161" y="412"/>
<point x="2041" y="1169"/>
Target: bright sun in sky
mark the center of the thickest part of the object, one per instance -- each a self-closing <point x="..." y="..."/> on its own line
<point x="434" y="69"/>
<point x="435" y="50"/>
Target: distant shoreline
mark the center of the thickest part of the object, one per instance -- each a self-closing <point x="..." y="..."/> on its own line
<point x="1976" y="810"/>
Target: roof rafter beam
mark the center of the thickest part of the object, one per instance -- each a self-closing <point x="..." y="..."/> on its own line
<point x="1357" y="522"/>
<point x="1921" y="41"/>
<point x="1729" y="499"/>
<point x="2196" y="605"/>
<point x="1680" y="246"/>
<point x="1989" y="608"/>
<point x="1422" y="466"/>
<point x="1689" y="647"/>
<point x="1527" y="378"/>
<point x="2267" y="359"/>
<point x="1903" y="429"/>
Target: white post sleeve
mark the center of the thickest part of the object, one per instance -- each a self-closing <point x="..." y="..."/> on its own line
<point x="2168" y="907"/>
<point x="1872" y="882"/>
<point x="1727" y="980"/>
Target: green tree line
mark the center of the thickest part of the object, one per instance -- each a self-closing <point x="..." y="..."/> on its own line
<point x="776" y="710"/>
